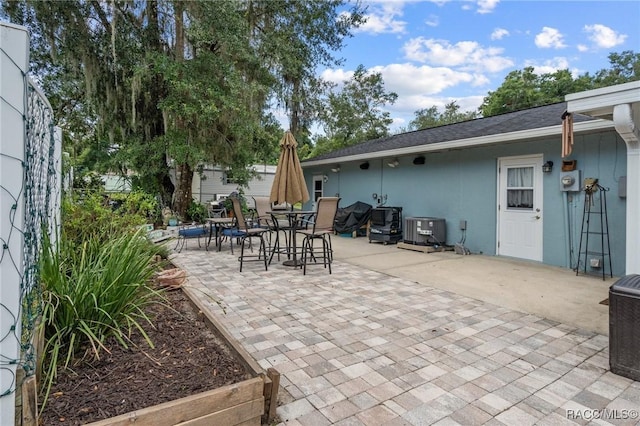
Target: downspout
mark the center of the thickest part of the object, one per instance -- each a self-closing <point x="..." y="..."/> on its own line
<point x="625" y="121"/>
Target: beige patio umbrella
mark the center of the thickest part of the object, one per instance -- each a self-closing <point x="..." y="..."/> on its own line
<point x="288" y="184"/>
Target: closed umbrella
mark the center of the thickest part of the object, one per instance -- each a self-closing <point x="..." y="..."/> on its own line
<point x="288" y="184"/>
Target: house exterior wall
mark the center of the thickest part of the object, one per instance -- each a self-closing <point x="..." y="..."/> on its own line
<point x="213" y="186"/>
<point x="462" y="184"/>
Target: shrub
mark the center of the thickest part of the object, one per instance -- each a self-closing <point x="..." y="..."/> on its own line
<point x="196" y="212"/>
<point x="91" y="292"/>
<point x="92" y="214"/>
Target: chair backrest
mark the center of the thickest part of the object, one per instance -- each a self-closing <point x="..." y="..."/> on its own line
<point x="237" y="211"/>
<point x="327" y="208"/>
<point x="263" y="205"/>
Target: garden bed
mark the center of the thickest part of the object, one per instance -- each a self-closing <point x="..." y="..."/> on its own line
<point x="196" y="373"/>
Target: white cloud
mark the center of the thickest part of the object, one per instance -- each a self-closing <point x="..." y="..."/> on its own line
<point x="548" y="66"/>
<point x="499" y="34"/>
<point x="468" y="55"/>
<point x="487" y="6"/>
<point x="337" y="76"/>
<point x="383" y="19"/>
<point x="604" y="36"/>
<point x="550" y="37"/>
<point x="582" y="48"/>
<point x="432" y="21"/>
<point x="408" y="79"/>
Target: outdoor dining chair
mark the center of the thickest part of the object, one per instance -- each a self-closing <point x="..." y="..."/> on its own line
<point x="321" y="229"/>
<point x="246" y="232"/>
<point x="190" y="232"/>
<point x="275" y="223"/>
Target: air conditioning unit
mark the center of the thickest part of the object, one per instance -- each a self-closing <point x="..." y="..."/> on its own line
<point x="425" y="231"/>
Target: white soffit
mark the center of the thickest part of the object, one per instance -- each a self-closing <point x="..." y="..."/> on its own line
<point x="600" y="102"/>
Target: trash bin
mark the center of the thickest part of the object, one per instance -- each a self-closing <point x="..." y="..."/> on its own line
<point x="624" y="327"/>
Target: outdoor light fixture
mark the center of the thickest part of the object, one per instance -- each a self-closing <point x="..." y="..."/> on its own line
<point x="325" y="178"/>
<point x="546" y="167"/>
<point x="393" y="163"/>
<point x="336" y="169"/>
<point x="364" y="166"/>
<point x="418" y="160"/>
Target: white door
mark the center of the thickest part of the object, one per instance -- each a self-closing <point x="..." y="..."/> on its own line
<point x="520" y="207"/>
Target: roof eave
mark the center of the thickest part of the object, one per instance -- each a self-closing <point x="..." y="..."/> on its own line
<point x="542" y="132"/>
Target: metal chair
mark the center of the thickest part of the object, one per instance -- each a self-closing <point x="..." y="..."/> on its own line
<point x="274" y="224"/>
<point x="189" y="232"/>
<point x="245" y="231"/>
<point x="321" y="229"/>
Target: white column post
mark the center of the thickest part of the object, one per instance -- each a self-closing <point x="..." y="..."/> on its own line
<point x="14" y="63"/>
<point x="626" y="121"/>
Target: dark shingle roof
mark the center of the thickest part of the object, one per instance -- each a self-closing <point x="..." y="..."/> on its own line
<point x="529" y="119"/>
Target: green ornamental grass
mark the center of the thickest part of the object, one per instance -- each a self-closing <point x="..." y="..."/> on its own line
<point x="93" y="292"/>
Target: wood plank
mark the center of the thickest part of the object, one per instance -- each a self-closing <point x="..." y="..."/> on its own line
<point x="272" y="403"/>
<point x="191" y="407"/>
<point x="29" y="402"/>
<point x="251" y="410"/>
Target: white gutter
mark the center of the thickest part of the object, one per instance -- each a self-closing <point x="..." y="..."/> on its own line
<point x="499" y="138"/>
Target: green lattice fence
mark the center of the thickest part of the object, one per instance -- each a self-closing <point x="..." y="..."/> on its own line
<point x="30" y="177"/>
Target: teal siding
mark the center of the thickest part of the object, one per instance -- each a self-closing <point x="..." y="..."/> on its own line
<point x="462" y="184"/>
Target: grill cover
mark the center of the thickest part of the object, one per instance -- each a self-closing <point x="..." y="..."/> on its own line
<point x="353" y="217"/>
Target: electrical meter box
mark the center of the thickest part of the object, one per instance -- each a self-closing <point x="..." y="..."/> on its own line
<point x="570" y="181"/>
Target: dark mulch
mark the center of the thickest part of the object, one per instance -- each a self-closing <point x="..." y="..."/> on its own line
<point x="187" y="359"/>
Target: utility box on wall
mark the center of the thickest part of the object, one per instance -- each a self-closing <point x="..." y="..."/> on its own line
<point x="570" y="181"/>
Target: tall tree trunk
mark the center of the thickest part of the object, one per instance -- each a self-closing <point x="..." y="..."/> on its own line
<point x="183" y="192"/>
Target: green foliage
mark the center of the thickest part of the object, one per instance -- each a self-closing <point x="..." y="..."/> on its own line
<point x="196" y="212"/>
<point x="140" y="86"/>
<point x="93" y="291"/>
<point x="355" y="113"/>
<point x="524" y="89"/>
<point x="430" y="117"/>
<point x="94" y="215"/>
<point x="228" y="204"/>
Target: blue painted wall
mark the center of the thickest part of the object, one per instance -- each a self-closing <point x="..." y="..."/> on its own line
<point x="462" y="184"/>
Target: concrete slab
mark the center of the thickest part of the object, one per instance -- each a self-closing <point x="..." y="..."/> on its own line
<point x="550" y="292"/>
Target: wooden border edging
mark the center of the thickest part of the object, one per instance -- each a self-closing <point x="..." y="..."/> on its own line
<point x="271" y="377"/>
<point x="233" y="404"/>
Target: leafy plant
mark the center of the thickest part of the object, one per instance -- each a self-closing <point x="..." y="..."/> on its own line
<point x="196" y="212"/>
<point x="228" y="204"/>
<point x="93" y="214"/>
<point x="91" y="292"/>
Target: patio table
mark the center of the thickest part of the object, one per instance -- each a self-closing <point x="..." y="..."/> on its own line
<point x="293" y="216"/>
<point x="215" y="226"/>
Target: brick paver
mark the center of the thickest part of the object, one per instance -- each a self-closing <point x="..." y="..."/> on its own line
<point x="364" y="348"/>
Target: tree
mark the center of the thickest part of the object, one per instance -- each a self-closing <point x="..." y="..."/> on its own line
<point x="354" y="114"/>
<point x="178" y="83"/>
<point x="625" y="67"/>
<point x="430" y="117"/>
<point x="524" y="89"/>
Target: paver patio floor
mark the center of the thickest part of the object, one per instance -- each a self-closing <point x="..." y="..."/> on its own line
<point x="360" y="347"/>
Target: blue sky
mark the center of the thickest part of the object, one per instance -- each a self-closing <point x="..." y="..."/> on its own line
<point x="433" y="52"/>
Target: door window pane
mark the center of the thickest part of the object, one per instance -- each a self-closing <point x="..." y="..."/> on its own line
<point x="520" y="188"/>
